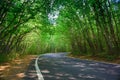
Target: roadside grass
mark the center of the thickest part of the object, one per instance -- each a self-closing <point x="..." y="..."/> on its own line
<point x="7" y="58"/>
<point x="12" y="56"/>
<point x="3" y="58"/>
<point x="102" y="57"/>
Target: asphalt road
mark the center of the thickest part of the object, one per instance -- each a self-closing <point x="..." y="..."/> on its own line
<point x="60" y="67"/>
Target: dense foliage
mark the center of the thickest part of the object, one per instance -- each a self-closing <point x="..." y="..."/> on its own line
<point x="87" y="27"/>
<point x="93" y="26"/>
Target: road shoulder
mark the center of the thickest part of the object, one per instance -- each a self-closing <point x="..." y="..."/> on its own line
<point x="15" y="70"/>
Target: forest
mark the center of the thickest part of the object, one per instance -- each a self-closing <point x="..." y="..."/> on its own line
<point x="82" y="27"/>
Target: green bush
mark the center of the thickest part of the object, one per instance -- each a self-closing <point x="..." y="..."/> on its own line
<point x="3" y="58"/>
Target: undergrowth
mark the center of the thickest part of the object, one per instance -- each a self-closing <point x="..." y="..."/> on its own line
<point x="9" y="57"/>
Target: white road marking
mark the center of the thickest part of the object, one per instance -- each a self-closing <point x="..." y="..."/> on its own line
<point x="39" y="74"/>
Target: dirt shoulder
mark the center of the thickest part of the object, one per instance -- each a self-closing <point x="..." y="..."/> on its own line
<point x="115" y="61"/>
<point x="15" y="69"/>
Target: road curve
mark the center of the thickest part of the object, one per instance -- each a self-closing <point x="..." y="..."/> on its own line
<point x="57" y="66"/>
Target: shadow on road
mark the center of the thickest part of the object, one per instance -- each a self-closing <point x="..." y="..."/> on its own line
<point x="30" y="74"/>
<point x="64" y="68"/>
<point x="56" y="67"/>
